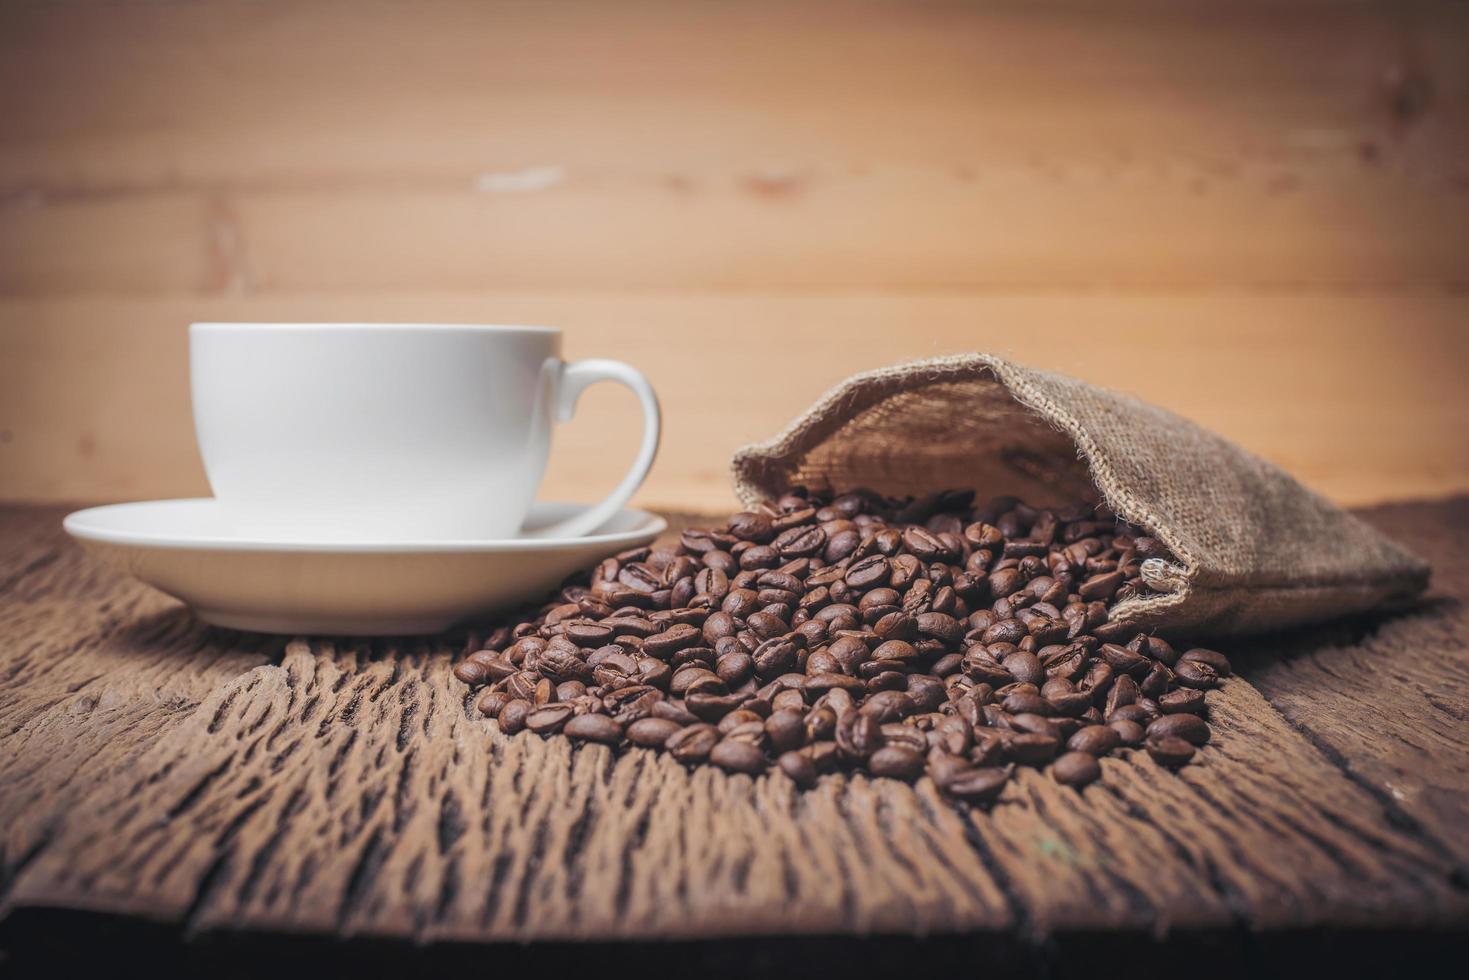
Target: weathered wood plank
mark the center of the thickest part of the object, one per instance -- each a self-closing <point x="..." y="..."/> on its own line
<point x="346" y="788"/>
<point x="314" y="145"/>
<point x="94" y="400"/>
<point x="1389" y="700"/>
<point x="92" y="667"/>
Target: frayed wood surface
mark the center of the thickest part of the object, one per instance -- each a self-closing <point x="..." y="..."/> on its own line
<point x="213" y="780"/>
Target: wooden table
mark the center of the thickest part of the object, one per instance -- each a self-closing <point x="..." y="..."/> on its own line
<point x="163" y="780"/>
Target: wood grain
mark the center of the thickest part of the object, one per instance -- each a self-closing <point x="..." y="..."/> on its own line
<point x="452" y="145"/>
<point x="1360" y="397"/>
<point x="204" y="780"/>
<point x="1343" y="687"/>
<point x="1255" y="213"/>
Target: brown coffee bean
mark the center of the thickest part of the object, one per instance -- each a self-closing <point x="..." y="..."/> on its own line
<point x="735" y="668"/>
<point x="896" y="762"/>
<point x="1181" y="701"/>
<point x="549" y="719"/>
<point x="1095" y="740"/>
<point x="1076" y="768"/>
<point x="1130" y="732"/>
<point x="512" y="716"/>
<point x="651" y="732"/>
<point x="870" y="572"/>
<point x="471" y="672"/>
<point x="799" y="767"/>
<point x="1130" y="712"/>
<point x="1196" y="674"/>
<point x="1190" y="728"/>
<point x="1025" y="667"/>
<point x="1218" y="661"/>
<point x="751" y="527"/>
<point x="594" y="728"/>
<point x="1024" y="702"/>
<point x="1123" y="660"/>
<point x="692" y="744"/>
<point x="1032" y="749"/>
<point x="863" y="632"/>
<point x="738" y="756"/>
<point x="858" y="735"/>
<point x="1161" y="650"/>
<point x="735" y="718"/>
<point x="888" y="706"/>
<point x="1100" y="586"/>
<point x="800" y="541"/>
<point x="491" y="702"/>
<point x="670" y="641"/>
<point x="1169" y="750"/>
<point x="982" y="785"/>
<point x="590" y="635"/>
<point x="786" y="730"/>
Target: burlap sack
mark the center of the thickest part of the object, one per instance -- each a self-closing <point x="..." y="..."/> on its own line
<point x="1255" y="549"/>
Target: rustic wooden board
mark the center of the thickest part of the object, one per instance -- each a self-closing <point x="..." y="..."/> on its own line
<point x="213" y="782"/>
<point x="289" y="146"/>
<point x="94" y="392"/>
<point x="1388" y="701"/>
<point x="1246" y="198"/>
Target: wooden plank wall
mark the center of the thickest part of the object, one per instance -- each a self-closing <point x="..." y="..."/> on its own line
<point x="1256" y="214"/>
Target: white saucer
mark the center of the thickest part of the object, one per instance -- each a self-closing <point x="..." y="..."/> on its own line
<point x="188" y="549"/>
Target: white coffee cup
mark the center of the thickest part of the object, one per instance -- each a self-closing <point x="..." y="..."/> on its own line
<point x="392" y="432"/>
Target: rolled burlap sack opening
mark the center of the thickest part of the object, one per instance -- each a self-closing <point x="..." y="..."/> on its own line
<point x="1255" y="550"/>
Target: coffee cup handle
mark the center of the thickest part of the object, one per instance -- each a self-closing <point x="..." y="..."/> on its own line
<point x="576" y="377"/>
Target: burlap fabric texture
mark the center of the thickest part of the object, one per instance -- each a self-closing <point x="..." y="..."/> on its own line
<point x="1255" y="549"/>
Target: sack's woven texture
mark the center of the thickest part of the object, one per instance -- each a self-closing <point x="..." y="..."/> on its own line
<point x="1255" y="549"/>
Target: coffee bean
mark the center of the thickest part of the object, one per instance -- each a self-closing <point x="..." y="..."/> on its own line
<point x="982" y="785"/>
<point x="1161" y="650"/>
<point x="670" y="641"/>
<point x="1190" y="728"/>
<point x="590" y="635"/>
<point x="818" y="684"/>
<point x="1129" y="732"/>
<point x="1213" y="658"/>
<point x="1025" y="667"/>
<point x="799" y="767"/>
<point x="1100" y="586"/>
<point x="1196" y="673"/>
<point x="544" y="721"/>
<point x="1031" y="748"/>
<point x="1023" y="702"/>
<point x="738" y="756"/>
<point x="1169" y="750"/>
<point x="735" y="668"/>
<point x="799" y="541"/>
<point x="857" y="631"/>
<point x="692" y="744"/>
<point x="1123" y="660"/>
<point x="651" y="732"/>
<point x="869" y="572"/>
<point x="471" y="672"/>
<point x="1076" y="768"/>
<point x="896" y="762"/>
<point x="751" y="527"/>
<point x="1094" y="740"/>
<point x="512" y="715"/>
<point x="673" y="711"/>
<point x="1182" y="701"/>
<point x="712" y="707"/>
<point x="1130" y="712"/>
<point x="858" y="736"/>
<point x="593" y="728"/>
<point x="786" y="730"/>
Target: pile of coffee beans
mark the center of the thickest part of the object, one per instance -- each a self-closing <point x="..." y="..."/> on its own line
<point x="857" y="632"/>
